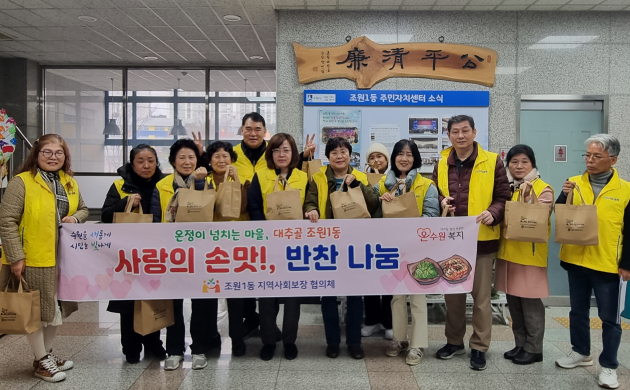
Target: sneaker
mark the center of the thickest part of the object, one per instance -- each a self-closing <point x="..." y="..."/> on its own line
<point x="389" y="334"/>
<point x="396" y="347"/>
<point x="608" y="378"/>
<point x="414" y="356"/>
<point x="62" y="365"/>
<point x="450" y="350"/>
<point x="477" y="360"/>
<point x="172" y="362"/>
<point x="47" y="370"/>
<point x="574" y="360"/>
<point x="369" y="330"/>
<point x="198" y="361"/>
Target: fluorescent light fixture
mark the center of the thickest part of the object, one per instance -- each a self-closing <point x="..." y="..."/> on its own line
<point x="390" y="38"/>
<point x="511" y="69"/>
<point x="261" y="99"/>
<point x="551" y="46"/>
<point x="256" y="57"/>
<point x="87" y="19"/>
<point x="563" y="42"/>
<point x="150" y="58"/>
<point x="232" y="18"/>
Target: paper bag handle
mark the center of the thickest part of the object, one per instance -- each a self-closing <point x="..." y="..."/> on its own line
<point x="398" y="183"/>
<point x="368" y="165"/>
<point x="521" y="197"/>
<point x="130" y="199"/>
<point x="343" y="183"/>
<point x="227" y="173"/>
<point x="284" y="182"/>
<point x="570" y="195"/>
<point x="22" y="286"/>
<point x="445" y="212"/>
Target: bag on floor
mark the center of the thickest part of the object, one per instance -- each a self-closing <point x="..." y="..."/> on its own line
<point x="128" y="217"/>
<point x="19" y="309"/>
<point x="576" y="224"/>
<point x="151" y="316"/>
<point x="194" y="205"/>
<point x="348" y="204"/>
<point x="373" y="178"/>
<point x="283" y="205"/>
<point x="228" y="200"/>
<point x="527" y="222"/>
<point x="311" y="167"/>
<point x="402" y="206"/>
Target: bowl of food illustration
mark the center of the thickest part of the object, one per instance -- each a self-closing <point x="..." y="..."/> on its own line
<point x="455" y="269"/>
<point x="425" y="272"/>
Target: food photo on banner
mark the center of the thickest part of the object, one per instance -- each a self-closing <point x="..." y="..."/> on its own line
<point x="270" y="259"/>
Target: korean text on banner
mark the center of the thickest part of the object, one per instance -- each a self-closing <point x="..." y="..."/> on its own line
<point x="268" y="259"/>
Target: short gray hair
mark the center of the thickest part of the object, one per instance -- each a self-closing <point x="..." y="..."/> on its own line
<point x="608" y="142"/>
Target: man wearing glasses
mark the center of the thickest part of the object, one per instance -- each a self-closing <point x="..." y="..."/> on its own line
<point x="598" y="268"/>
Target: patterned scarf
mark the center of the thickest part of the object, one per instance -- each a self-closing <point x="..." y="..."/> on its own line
<point x="179" y="182"/>
<point x="63" y="204"/>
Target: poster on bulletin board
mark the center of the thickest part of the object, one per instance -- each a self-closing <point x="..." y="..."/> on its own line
<point x="388" y="116"/>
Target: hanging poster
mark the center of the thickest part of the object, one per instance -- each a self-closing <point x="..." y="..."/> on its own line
<point x="340" y="123"/>
<point x="7" y="143"/>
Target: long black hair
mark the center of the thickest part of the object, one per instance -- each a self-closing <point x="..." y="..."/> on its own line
<point x="398" y="147"/>
<point x="521" y="149"/>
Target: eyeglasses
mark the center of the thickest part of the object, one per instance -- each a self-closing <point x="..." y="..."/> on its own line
<point x="49" y="153"/>
<point x="281" y="151"/>
<point x="594" y="157"/>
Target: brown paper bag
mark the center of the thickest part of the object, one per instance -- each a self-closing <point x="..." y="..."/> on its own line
<point x="373" y="178"/>
<point x="228" y="201"/>
<point x="576" y="224"/>
<point x="445" y="212"/>
<point x="402" y="206"/>
<point x="151" y="316"/>
<point x="349" y="204"/>
<point x="194" y="205"/>
<point x="311" y="167"/>
<point x="129" y="217"/>
<point x="283" y="205"/>
<point x="527" y="222"/>
<point x="19" y="309"/>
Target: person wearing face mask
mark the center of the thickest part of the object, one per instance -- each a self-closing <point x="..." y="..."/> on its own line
<point x="597" y="269"/>
<point x="378" y="310"/>
<point x="406" y="163"/>
<point x="185" y="159"/>
<point x="521" y="267"/>
<point x="41" y="197"/>
<point x="317" y="205"/>
<point x="282" y="158"/>
<point x="139" y="176"/>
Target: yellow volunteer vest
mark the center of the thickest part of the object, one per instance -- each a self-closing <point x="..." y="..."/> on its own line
<point x="245" y="168"/>
<point x="38" y="226"/>
<point x="119" y="184"/>
<point x="297" y="181"/>
<point x="166" y="191"/>
<point x="611" y="204"/>
<point x="480" y="187"/>
<point x="321" y="181"/>
<point x="526" y="253"/>
<point x="420" y="186"/>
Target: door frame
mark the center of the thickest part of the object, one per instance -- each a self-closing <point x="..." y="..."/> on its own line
<point x="555" y="98"/>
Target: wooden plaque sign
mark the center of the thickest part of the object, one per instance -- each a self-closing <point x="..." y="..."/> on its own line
<point x="367" y="62"/>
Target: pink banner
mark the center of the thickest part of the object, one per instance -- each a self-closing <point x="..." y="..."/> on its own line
<point x="267" y="258"/>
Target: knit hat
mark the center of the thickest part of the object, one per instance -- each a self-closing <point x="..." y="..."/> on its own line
<point x="377" y="148"/>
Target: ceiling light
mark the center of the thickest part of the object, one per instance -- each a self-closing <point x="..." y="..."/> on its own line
<point x="179" y="128"/>
<point x="255" y="57"/>
<point x="548" y="46"/>
<point x="87" y="19"/>
<point x="568" y="39"/>
<point x="232" y="18"/>
<point x="150" y="58"/>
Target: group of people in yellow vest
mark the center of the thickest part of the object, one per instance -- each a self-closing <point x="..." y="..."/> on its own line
<point x="468" y="180"/>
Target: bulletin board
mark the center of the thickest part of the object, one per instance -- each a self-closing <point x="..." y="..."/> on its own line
<point x="388" y="116"/>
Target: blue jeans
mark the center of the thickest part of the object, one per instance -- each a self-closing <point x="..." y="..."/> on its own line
<point x="582" y="281"/>
<point x="354" y="317"/>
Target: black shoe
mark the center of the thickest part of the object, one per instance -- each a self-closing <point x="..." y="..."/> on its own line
<point x="525" y="357"/>
<point x="477" y="360"/>
<point x="267" y="351"/>
<point x="215" y="342"/>
<point x="509" y="355"/>
<point x="238" y="348"/>
<point x="356" y="352"/>
<point x="450" y="350"/>
<point x="290" y="351"/>
<point x="332" y="351"/>
<point x="133" y="359"/>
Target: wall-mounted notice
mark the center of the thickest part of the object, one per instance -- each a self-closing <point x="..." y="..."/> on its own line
<point x="387" y="135"/>
<point x="340" y="123"/>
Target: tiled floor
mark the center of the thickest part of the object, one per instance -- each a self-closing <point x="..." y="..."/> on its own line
<point x="91" y="338"/>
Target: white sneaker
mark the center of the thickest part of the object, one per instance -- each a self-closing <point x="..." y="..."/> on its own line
<point x="199" y="362"/>
<point x="389" y="334"/>
<point x="396" y="347"/>
<point x="369" y="330"/>
<point x="574" y="360"/>
<point x="608" y="378"/>
<point x="172" y="362"/>
<point x="414" y="356"/>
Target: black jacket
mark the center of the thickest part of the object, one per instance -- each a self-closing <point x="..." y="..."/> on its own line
<point x="255" y="198"/>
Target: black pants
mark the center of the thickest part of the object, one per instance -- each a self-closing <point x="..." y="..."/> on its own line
<point x="378" y="311"/>
<point x="203" y="327"/>
<point x="132" y="342"/>
<point x="242" y="316"/>
<point x="269" y="308"/>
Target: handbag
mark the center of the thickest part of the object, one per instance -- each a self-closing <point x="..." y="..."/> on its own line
<point x="128" y="217"/>
<point x="283" y="205"/>
<point x="348" y="204"/>
<point x="194" y="205"/>
<point x="402" y="206"/>
<point x="228" y="200"/>
<point x="527" y="222"/>
<point x="576" y="224"/>
<point x="20" y="311"/>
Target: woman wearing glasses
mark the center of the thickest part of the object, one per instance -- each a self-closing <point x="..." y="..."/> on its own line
<point x="36" y="202"/>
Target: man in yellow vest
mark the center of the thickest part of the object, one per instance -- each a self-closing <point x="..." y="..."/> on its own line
<point x="597" y="268"/>
<point x="472" y="181"/>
